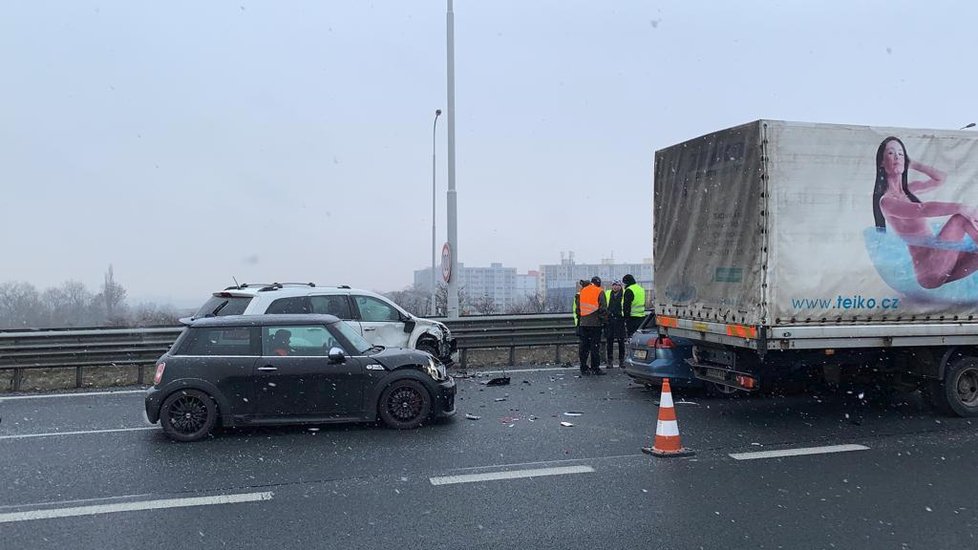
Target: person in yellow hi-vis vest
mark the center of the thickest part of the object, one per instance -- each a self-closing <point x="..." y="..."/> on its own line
<point x="633" y="305"/>
<point x="591" y="309"/>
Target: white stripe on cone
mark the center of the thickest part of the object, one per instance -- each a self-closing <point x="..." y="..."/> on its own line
<point x="668" y="428"/>
<point x="666" y="400"/>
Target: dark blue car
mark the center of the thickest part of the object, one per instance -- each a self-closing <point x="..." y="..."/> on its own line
<point x="652" y="357"/>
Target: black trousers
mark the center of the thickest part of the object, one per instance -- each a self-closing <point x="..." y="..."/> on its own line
<point x="632" y="324"/>
<point x="615" y="332"/>
<point x="590" y="347"/>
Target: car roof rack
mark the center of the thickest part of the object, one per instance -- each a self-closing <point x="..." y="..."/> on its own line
<point x="344" y="286"/>
<point x="247" y="285"/>
<point x="276" y="286"/>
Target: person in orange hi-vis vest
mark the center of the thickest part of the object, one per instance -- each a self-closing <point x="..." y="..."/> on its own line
<point x="592" y="311"/>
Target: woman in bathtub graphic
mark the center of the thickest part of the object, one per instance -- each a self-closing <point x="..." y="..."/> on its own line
<point x="937" y="258"/>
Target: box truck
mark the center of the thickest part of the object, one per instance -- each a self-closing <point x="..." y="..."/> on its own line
<point x="784" y="249"/>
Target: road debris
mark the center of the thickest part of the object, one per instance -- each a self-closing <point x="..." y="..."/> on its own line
<point x="566" y="424"/>
<point x="472" y="416"/>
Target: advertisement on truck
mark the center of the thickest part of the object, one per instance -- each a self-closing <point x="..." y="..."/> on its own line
<point x="775" y="223"/>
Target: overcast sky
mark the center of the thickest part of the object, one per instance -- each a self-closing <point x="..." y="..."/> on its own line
<point x="189" y="142"/>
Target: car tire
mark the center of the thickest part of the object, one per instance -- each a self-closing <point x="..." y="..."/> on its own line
<point x="188" y="415"/>
<point x="957" y="394"/>
<point x="404" y="405"/>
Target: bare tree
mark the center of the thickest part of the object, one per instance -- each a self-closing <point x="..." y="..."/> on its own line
<point x="70" y="305"/>
<point x="533" y="303"/>
<point x="441" y="300"/>
<point x="150" y="314"/>
<point x="114" y="297"/>
<point x="484" y="305"/>
<point x="553" y="304"/>
<point x="413" y="299"/>
<point x="21" y="306"/>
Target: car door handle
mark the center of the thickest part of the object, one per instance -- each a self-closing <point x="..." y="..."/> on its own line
<point x="267" y="368"/>
<point x="370" y="329"/>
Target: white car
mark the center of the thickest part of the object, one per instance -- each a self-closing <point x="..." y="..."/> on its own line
<point x="379" y="320"/>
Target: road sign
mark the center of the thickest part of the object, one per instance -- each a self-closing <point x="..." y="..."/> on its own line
<point x="446" y="262"/>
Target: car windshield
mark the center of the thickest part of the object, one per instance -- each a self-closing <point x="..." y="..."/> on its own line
<point x="353" y="336"/>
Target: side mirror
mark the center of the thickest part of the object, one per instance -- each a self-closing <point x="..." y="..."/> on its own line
<point x="336" y="355"/>
<point x="409" y="325"/>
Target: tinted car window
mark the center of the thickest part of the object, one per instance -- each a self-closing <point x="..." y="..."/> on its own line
<point x="374" y="310"/>
<point x="219" y="341"/>
<point x="648" y="322"/>
<point x="301" y="340"/>
<point x="219" y="306"/>
<point x="338" y="305"/>
<point x="298" y="304"/>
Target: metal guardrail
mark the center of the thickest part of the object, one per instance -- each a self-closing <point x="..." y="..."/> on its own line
<point x="21" y="350"/>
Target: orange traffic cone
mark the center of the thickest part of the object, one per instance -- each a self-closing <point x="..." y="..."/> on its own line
<point x="667" y="429"/>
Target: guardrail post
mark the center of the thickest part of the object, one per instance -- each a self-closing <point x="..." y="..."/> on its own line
<point x="18" y="378"/>
<point x="465" y="357"/>
<point x="512" y="356"/>
<point x="78" y="377"/>
<point x="139" y="377"/>
<point x="557" y="354"/>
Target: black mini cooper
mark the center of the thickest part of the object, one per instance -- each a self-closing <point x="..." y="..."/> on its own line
<point x="290" y="369"/>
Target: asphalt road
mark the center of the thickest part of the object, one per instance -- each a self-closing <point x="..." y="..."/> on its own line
<point x="86" y="471"/>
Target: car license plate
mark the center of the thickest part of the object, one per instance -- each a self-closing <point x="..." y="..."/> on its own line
<point x="641" y="354"/>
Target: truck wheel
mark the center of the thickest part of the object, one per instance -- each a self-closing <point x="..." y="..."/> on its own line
<point x="957" y="394"/>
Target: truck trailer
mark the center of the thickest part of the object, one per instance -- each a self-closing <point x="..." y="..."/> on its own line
<point x="784" y="249"/>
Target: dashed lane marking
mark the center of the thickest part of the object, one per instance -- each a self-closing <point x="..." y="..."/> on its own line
<point x="52" y="513"/>
<point x="510" y="474"/>
<point x="798" y="452"/>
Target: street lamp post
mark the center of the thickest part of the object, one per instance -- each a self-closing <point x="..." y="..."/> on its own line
<point x="434" y="287"/>
<point x="453" y="305"/>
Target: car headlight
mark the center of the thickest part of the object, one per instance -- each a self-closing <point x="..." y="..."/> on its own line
<point x="436" y="370"/>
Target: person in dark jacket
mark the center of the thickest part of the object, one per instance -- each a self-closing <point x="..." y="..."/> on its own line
<point x="614" y="330"/>
<point x="592" y="310"/>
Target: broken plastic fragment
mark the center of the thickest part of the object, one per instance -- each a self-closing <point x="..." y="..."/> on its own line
<point x="566" y="424"/>
<point x="572" y="413"/>
<point x="472" y="416"/>
<point x="500" y="381"/>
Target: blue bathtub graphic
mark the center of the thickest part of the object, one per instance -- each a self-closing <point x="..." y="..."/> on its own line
<point x="892" y="260"/>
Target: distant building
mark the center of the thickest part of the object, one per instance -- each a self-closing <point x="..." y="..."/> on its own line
<point x="501" y="284"/>
<point x="554" y="283"/>
<point x="528" y="285"/>
<point x="559" y="281"/>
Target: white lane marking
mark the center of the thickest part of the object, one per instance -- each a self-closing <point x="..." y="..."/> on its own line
<point x="799" y="452"/>
<point x="511" y="474"/>
<point x="133" y="506"/>
<point x="79" y="394"/>
<point x="84" y="432"/>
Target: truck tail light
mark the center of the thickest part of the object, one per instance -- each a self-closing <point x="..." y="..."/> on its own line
<point x="160" y="367"/>
<point x="746" y="381"/>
